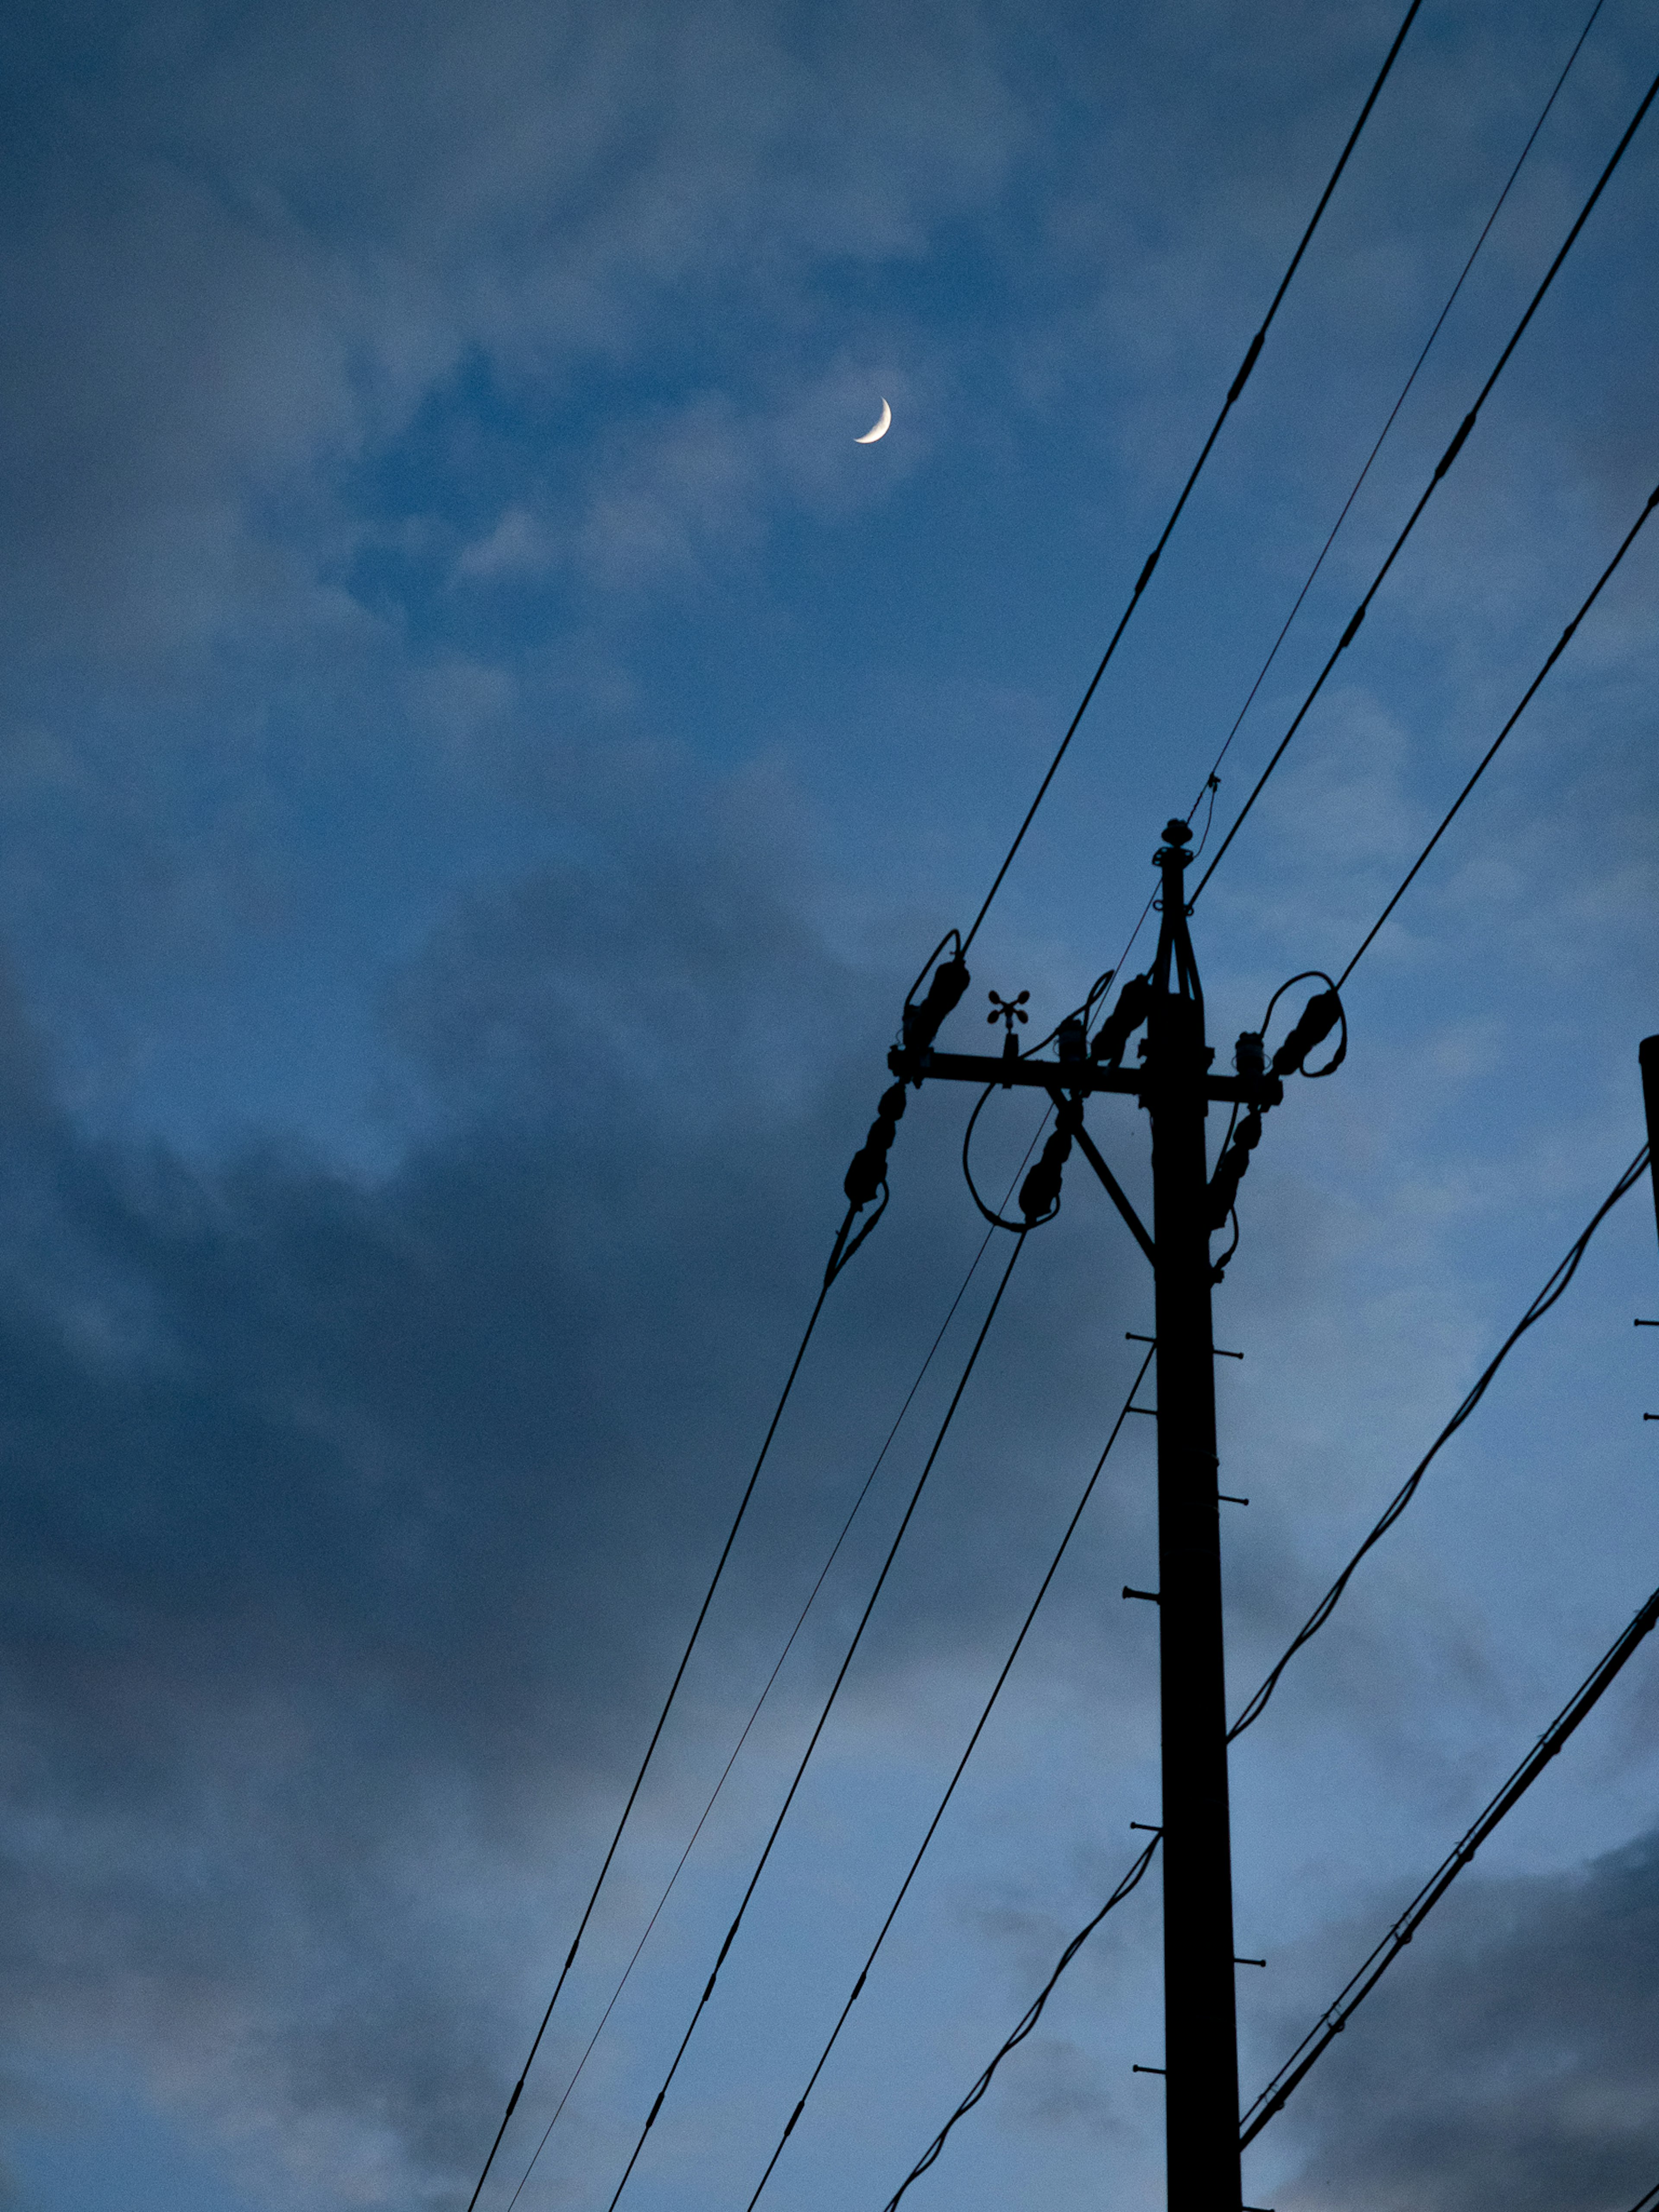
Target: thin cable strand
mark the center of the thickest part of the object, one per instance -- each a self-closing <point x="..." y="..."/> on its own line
<point x="1360" y="1986"/>
<point x="1540" y="1305"/>
<point x="1441" y="468"/>
<point x="1405" y="390"/>
<point x="835" y="1550"/>
<point x="656" y="1737"/>
<point x="829" y="1703"/>
<point x="1233" y="391"/>
<point x="1556" y="651"/>
<point x="930" y="2155"/>
<point x="979" y="1729"/>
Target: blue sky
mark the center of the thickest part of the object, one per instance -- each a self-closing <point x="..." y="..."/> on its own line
<point x="483" y="751"/>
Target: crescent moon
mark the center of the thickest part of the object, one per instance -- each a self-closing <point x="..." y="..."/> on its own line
<point x="883" y="424"/>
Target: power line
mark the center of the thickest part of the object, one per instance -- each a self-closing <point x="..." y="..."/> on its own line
<point x="1649" y="2201"/>
<point x="1035" y="2013"/>
<point x="1540" y="1305"/>
<point x="1441" y="468"/>
<point x="1212" y="781"/>
<point x="979" y="1727"/>
<point x="1405" y="390"/>
<point x="823" y="1716"/>
<point x="656" y="1733"/>
<point x="1556" y="651"/>
<point x="1360" y="1985"/>
<point x="1234" y="389"/>
<point x="835" y="1550"/>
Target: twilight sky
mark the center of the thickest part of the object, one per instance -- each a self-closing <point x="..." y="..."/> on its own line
<point x="483" y="751"/>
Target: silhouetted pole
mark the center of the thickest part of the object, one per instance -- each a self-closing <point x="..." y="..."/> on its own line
<point x="1648" y="1054"/>
<point x="1200" y="2016"/>
<point x="1175" y="1085"/>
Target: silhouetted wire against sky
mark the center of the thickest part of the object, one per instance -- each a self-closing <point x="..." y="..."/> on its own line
<point x="1210" y="783"/>
<point x="754" y="1711"/>
<point x="1234" y="389"/>
<point x="950" y="1788"/>
<point x="1491" y="753"/>
<point x="655" y="1737"/>
<point x="475" y="733"/>
<point x="1337" y="2016"/>
<point x="824" y="1715"/>
<point x="1560" y="1276"/>
<point x="1442" y="468"/>
<point x="1388" y="421"/>
<point x="1028" y="2021"/>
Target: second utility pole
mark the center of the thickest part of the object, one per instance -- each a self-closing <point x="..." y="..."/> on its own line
<point x="1200" y="2014"/>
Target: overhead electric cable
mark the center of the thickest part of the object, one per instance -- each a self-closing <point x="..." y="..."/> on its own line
<point x="1540" y="1305"/>
<point x="1234" y="389"/>
<point x="1556" y="651"/>
<point x="1649" y="2202"/>
<point x="1360" y="1985"/>
<point x="823" y="1716"/>
<point x="656" y="1733"/>
<point x="1405" y="390"/>
<point x="1440" y="470"/>
<point x="1032" y="2015"/>
<point x="979" y="1729"/>
<point x="1212" y="781"/>
<point x="754" y="1715"/>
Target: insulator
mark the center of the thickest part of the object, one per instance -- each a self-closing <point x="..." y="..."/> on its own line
<point x="1230" y="1170"/>
<point x="869" y="1168"/>
<point x="1134" y="1003"/>
<point x="1039" y="1195"/>
<point x="1250" y="1054"/>
<point x="1319" y="1017"/>
<point x="1071" y="1039"/>
<point x="921" y="1022"/>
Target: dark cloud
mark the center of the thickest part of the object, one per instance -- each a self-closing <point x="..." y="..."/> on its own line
<point x="1507" y="2060"/>
<point x="351" y="1529"/>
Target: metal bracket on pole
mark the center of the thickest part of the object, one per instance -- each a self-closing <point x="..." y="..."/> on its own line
<point x="1115" y="1190"/>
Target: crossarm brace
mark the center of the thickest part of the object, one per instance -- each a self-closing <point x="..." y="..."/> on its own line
<point x="1115" y="1189"/>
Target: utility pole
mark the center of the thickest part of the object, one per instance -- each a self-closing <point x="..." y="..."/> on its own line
<point x="1176" y="1086"/>
<point x="1200" y="2027"/>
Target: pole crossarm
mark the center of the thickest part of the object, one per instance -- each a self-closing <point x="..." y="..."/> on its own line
<point x="1080" y="1078"/>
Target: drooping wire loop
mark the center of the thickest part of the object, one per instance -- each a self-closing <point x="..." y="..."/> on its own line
<point x="1322" y="1014"/>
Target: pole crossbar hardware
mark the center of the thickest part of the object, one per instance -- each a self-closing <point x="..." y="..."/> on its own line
<point x="1336" y="2017"/>
<point x="1176" y="1084"/>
